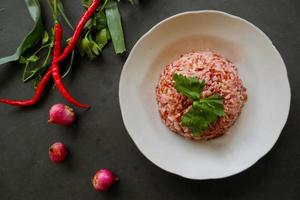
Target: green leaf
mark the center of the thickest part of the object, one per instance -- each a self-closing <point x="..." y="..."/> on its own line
<point x="33" y="58"/>
<point x="94" y="46"/>
<point x="102" y="37"/>
<point x="212" y="104"/>
<point x="83" y="44"/>
<point x="22" y="60"/>
<point x="115" y="26"/>
<point x="86" y="3"/>
<point x="45" y="38"/>
<point x="27" y="74"/>
<point x="33" y="37"/>
<point x="203" y="113"/>
<point x="197" y="121"/>
<point x="99" y="20"/>
<point x="85" y="48"/>
<point x="32" y="71"/>
<point x="188" y="86"/>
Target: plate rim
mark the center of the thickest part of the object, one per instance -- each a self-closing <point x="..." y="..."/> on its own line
<point x="156" y="26"/>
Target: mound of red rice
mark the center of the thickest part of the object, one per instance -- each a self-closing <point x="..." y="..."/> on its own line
<point x="220" y="76"/>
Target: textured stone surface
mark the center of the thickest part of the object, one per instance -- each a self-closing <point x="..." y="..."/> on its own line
<point x="99" y="139"/>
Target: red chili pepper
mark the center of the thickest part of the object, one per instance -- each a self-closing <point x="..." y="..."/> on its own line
<point x="45" y="79"/>
<point x="56" y="73"/>
<point x="37" y="94"/>
<point x="87" y="15"/>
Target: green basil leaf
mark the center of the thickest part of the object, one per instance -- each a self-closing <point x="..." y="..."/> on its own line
<point x="33" y="37"/>
<point x="115" y="27"/>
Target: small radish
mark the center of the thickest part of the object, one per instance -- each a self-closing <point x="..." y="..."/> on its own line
<point x="58" y="152"/>
<point x="61" y="114"/>
<point x="103" y="180"/>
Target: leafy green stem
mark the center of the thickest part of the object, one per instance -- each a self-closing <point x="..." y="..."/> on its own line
<point x="104" y="5"/>
<point x="41" y="48"/>
<point x="62" y="12"/>
<point x="27" y="76"/>
<point x="47" y="58"/>
<point x="70" y="66"/>
<point x="55" y="11"/>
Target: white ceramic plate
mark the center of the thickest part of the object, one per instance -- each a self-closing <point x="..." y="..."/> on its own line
<point x="260" y="67"/>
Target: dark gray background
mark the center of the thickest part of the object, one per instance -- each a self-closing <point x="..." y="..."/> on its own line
<point x="99" y="139"/>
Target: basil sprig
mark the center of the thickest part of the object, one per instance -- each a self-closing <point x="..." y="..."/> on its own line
<point x="204" y="111"/>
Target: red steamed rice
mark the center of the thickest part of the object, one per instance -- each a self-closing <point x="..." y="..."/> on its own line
<point x="220" y="76"/>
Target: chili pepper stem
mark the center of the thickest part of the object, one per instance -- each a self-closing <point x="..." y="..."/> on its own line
<point x="55" y="11"/>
